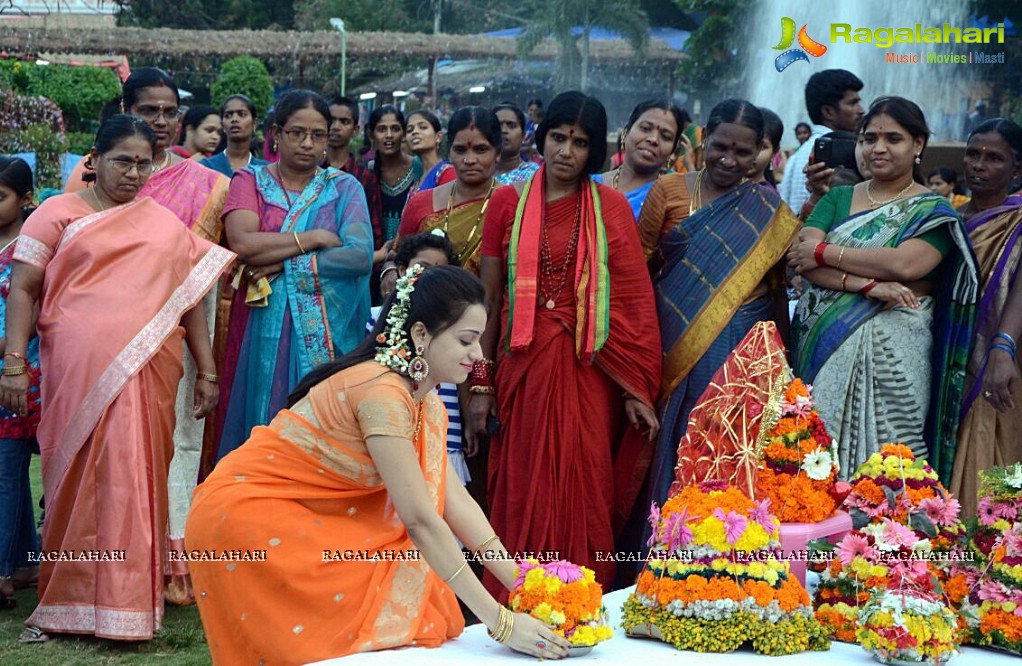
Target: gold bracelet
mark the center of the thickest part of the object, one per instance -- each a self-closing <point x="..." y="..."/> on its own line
<point x="299" y="243"/>
<point x="510" y="627"/>
<point x="15" y="371"/>
<point x="498" y="629"/>
<point x="481" y="390"/>
<point x="844" y="277"/>
<point x="486" y="543"/>
<point x="840" y="256"/>
<point x="455" y="574"/>
<point x="211" y="378"/>
<point x="505" y="626"/>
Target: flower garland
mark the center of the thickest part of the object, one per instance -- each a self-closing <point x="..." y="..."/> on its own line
<point x="565" y="596"/>
<point x="393" y="350"/>
<point x="799" y="466"/>
<point x="901" y="626"/>
<point x="709" y="586"/>
<point x="906" y="538"/>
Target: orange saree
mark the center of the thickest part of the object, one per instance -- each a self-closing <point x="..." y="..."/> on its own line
<point x="305" y="491"/>
<point x="108" y="410"/>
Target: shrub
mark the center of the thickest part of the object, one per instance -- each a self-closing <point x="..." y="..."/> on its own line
<point x="246" y="76"/>
<point x="33" y="124"/>
<point x="80" y="92"/>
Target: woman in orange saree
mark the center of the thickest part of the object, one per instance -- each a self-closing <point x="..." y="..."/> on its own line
<point x="106" y="429"/>
<point x="579" y="355"/>
<point x="196" y="195"/>
<point x="344" y="501"/>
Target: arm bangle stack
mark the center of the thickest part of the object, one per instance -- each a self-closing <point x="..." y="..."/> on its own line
<point x="302" y="249"/>
<point x="996" y="345"/>
<point x="1010" y="341"/>
<point x="212" y="379"/>
<point x="505" y="626"/>
<point x="455" y="574"/>
<point x="15" y="371"/>
<point x="20" y="357"/>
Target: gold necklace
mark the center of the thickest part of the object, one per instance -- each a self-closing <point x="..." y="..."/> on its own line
<point x="164" y="163"/>
<point x="479" y="218"/>
<point x="696" y="201"/>
<point x="617" y="178"/>
<point x="418" y="421"/>
<point x="98" y="202"/>
<point x="874" y="203"/>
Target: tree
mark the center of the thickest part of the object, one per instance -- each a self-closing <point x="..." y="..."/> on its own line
<point x="207" y="14"/>
<point x="244" y="75"/>
<point x="558" y="18"/>
<point x="715" y="57"/>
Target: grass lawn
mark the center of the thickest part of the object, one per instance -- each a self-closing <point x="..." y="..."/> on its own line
<point x="181" y="643"/>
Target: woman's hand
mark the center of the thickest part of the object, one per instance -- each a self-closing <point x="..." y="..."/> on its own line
<point x="802" y="253"/>
<point x="894" y="293"/>
<point x="322" y="239"/>
<point x="686" y="156"/>
<point x="818" y="179"/>
<point x="207" y="394"/>
<point x="1000" y="381"/>
<point x="639" y="415"/>
<point x="528" y="634"/>
<point x="14" y="393"/>
<point x="479" y="408"/>
<point x="254" y="273"/>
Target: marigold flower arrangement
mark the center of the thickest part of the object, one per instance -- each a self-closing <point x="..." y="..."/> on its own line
<point x="900" y="626"/>
<point x="906" y="537"/>
<point x="711" y="584"/>
<point x="565" y="596"/>
<point x="993" y="605"/>
<point x="799" y="461"/>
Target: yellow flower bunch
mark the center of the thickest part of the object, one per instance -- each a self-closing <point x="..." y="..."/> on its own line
<point x="901" y="626"/>
<point x="565" y="596"/>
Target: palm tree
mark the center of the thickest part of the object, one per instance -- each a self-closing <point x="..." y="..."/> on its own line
<point x="557" y="18"/>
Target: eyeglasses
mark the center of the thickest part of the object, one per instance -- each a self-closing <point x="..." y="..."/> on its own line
<point x="299" y="134"/>
<point x="151" y="113"/>
<point x="144" y="167"/>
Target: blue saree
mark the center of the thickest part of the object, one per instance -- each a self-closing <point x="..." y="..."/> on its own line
<point x="315" y="313"/>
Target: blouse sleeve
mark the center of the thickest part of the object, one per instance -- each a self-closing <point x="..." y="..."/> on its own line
<point x="384" y="408"/>
<point x="447" y="174"/>
<point x="417" y="208"/>
<point x="41" y="232"/>
<point x="242" y="194"/>
<point x="499" y="216"/>
<point x="660" y="212"/>
<point x="828" y="209"/>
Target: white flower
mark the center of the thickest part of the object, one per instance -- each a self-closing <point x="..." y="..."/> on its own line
<point x="873" y="529"/>
<point x="817" y="465"/>
<point x="1014" y="477"/>
<point x="923" y="547"/>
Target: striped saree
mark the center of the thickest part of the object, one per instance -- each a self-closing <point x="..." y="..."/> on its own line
<point x="891" y="375"/>
<point x="713" y="262"/>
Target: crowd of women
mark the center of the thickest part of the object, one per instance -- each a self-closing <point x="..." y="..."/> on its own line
<point x="570" y="316"/>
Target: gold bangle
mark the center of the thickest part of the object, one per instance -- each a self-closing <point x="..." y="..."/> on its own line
<point x="844" y="277"/>
<point x="455" y="574"/>
<point x="505" y="626"/>
<point x="840" y="256"/>
<point x="481" y="390"/>
<point x="510" y="627"/>
<point x="15" y="371"/>
<point x="299" y="243"/>
<point x="486" y="543"/>
<point x="211" y="378"/>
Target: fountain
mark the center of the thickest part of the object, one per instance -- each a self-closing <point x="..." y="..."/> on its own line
<point x="941" y="90"/>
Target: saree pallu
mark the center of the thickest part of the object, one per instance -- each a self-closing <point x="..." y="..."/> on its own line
<point x="464" y="228"/>
<point x="303" y="491"/>
<point x="987" y="438"/>
<point x="196" y="194"/>
<point x="108" y="418"/>
<point x="316" y="312"/>
<point x="825" y="320"/>
<point x="712" y="262"/>
<point x="565" y="446"/>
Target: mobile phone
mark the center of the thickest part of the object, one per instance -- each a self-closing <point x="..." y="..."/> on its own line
<point x="822" y="150"/>
<point x="492" y="424"/>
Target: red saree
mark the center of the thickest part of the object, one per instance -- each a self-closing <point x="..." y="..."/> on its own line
<point x="566" y="466"/>
<point x="117" y="282"/>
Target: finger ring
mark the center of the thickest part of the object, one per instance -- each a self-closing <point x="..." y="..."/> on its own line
<point x="541" y="645"/>
<point x="987" y="394"/>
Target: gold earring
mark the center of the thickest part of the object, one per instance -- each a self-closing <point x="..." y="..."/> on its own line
<point x="274" y="146"/>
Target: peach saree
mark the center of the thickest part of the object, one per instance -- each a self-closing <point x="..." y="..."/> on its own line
<point x="115" y="286"/>
<point x="304" y="491"/>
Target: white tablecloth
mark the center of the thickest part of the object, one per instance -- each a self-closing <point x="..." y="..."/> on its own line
<point x="476" y="648"/>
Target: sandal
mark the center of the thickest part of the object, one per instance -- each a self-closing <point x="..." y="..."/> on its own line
<point x="33" y="635"/>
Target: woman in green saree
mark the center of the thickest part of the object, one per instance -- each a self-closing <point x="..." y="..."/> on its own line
<point x="884" y="326"/>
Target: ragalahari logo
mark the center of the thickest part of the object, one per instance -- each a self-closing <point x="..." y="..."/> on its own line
<point x="808" y="44"/>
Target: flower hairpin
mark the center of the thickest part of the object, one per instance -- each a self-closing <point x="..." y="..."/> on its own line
<point x="392" y="349"/>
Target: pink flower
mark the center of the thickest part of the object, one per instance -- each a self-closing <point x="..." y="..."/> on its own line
<point x="1005" y="510"/>
<point x="987" y="514"/>
<point x="994" y="591"/>
<point x="897" y="535"/>
<point x="654" y="522"/>
<point x="761" y="514"/>
<point x="940" y="512"/>
<point x="566" y="571"/>
<point x="1012" y="542"/>
<point x="852" y="546"/>
<point x="676" y="532"/>
<point x="914" y="571"/>
<point x="734" y="524"/>
<point x="524" y="566"/>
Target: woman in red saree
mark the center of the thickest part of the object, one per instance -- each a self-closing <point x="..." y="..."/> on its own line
<point x="108" y="419"/>
<point x="579" y="353"/>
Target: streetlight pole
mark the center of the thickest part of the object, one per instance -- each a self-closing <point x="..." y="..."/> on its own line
<point x="338" y="24"/>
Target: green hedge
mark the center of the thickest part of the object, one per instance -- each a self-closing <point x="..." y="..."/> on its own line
<point x="244" y="75"/>
<point x="80" y="92"/>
